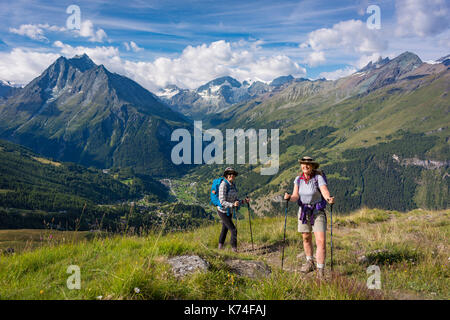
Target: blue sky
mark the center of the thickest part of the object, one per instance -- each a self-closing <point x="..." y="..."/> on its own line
<point x="190" y="42"/>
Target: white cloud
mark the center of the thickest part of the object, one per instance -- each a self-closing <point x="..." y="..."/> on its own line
<point x="100" y="55"/>
<point x="346" y="37"/>
<point x="194" y="66"/>
<point x="197" y="65"/>
<point x="29" y="30"/>
<point x="87" y="31"/>
<point x="21" y="66"/>
<point x="315" y="58"/>
<point x="422" y="17"/>
<point x="365" y="59"/>
<point x="132" y="46"/>
<point x="352" y="35"/>
<point x="340" y="73"/>
<point x="35" y="31"/>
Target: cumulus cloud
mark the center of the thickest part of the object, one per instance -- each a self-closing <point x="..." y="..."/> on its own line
<point x="365" y="59"/>
<point x="352" y="35"/>
<point x="315" y="58"/>
<point x="99" y="54"/>
<point x="132" y="46"/>
<point x="35" y="31"/>
<point x="345" y="37"/>
<point x="192" y="68"/>
<point x="195" y="65"/>
<point x="340" y="73"/>
<point x="422" y="17"/>
<point x="21" y="66"/>
<point x="87" y="31"/>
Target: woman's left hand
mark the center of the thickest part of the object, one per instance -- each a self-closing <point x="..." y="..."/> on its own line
<point x="330" y="200"/>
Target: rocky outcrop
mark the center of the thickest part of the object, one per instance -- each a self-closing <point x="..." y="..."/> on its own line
<point x="427" y="164"/>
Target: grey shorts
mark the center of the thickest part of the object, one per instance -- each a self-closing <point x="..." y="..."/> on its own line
<point x="320" y="223"/>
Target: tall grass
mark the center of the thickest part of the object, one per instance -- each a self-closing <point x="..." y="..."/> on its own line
<point x="411" y="250"/>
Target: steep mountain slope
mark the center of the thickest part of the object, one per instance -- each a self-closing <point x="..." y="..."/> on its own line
<point x="78" y="111"/>
<point x="30" y="181"/>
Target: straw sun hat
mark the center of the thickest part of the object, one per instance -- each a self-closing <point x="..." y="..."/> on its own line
<point x="309" y="160"/>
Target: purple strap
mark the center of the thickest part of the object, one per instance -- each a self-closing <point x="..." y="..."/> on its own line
<point x="308" y="210"/>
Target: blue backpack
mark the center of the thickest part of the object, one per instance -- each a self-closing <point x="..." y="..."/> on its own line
<point x="214" y="194"/>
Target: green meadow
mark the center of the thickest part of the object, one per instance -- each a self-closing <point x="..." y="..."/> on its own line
<point x="410" y="248"/>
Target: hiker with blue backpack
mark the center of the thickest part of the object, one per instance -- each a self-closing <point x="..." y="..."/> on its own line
<point x="312" y="195"/>
<point x="224" y="197"/>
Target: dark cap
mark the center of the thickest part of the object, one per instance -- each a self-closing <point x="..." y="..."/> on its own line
<point x="228" y="171"/>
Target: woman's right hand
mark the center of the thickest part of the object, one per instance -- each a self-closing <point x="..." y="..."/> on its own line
<point x="287" y="196"/>
<point x="236" y="203"/>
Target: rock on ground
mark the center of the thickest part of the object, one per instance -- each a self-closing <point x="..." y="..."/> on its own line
<point x="252" y="269"/>
<point x="185" y="265"/>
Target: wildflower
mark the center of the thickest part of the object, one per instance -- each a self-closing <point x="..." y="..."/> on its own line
<point x="99" y="297"/>
<point x="137" y="290"/>
<point x="41" y="292"/>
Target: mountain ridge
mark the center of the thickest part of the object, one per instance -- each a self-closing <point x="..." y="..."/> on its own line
<point x="79" y="111"/>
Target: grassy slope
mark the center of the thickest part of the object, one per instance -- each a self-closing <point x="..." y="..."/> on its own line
<point x="413" y="265"/>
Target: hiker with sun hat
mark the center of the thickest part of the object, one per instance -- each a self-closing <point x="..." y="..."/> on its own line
<point x="228" y="200"/>
<point x="311" y="193"/>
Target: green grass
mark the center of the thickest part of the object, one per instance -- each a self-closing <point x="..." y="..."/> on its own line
<point x="411" y="250"/>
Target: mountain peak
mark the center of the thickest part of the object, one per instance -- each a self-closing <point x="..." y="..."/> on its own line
<point x="444" y="60"/>
<point x="226" y="80"/>
<point x="408" y="56"/>
<point x="277" y="82"/>
<point x="371" y="65"/>
<point x="82" y="62"/>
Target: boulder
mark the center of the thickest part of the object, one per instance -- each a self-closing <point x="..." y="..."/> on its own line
<point x="187" y="264"/>
<point x="251" y="269"/>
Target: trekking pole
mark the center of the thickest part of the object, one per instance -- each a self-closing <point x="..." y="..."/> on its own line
<point x="250" y="223"/>
<point x="284" y="237"/>
<point x="331" y="237"/>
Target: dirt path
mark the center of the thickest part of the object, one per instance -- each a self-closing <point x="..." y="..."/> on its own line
<point x="272" y="254"/>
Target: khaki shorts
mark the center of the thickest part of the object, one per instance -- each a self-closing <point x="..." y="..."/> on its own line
<point x="320" y="223"/>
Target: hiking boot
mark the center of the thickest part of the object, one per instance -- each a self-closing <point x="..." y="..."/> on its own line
<point x="234" y="249"/>
<point x="220" y="246"/>
<point x="308" y="266"/>
<point x="320" y="273"/>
